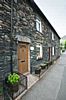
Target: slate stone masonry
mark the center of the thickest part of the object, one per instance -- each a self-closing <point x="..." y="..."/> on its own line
<point x="26" y="26"/>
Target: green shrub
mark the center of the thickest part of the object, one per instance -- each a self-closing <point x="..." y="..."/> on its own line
<point x="63" y="50"/>
<point x="13" y="78"/>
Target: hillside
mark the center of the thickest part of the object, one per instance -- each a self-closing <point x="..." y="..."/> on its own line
<point x="64" y="37"/>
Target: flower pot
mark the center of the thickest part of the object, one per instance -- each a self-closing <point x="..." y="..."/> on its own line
<point x="38" y="70"/>
<point x="43" y="66"/>
<point x="13" y="87"/>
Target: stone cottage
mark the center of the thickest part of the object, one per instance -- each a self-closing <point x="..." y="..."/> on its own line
<point x="34" y="40"/>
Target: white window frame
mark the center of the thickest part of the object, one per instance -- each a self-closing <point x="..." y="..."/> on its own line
<point x="52" y="36"/>
<point x="38" y="25"/>
<point x="40" y="55"/>
<point x="53" y="51"/>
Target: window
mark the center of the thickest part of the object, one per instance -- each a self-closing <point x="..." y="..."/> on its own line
<point x="53" y="50"/>
<point x="38" y="25"/>
<point x="52" y="36"/>
<point x="39" y="51"/>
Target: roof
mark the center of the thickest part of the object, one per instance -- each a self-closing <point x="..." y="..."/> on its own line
<point x="37" y="9"/>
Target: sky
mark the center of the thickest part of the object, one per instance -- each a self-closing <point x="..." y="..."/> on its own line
<point x="55" y="11"/>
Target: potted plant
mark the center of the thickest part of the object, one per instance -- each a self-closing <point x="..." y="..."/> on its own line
<point x="43" y="66"/>
<point x="12" y="81"/>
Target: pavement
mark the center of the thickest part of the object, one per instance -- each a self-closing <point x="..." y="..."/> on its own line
<point x="52" y="86"/>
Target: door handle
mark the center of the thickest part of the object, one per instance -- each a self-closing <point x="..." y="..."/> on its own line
<point x="23" y="61"/>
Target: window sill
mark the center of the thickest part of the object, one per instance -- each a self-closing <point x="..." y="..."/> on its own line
<point x="53" y="40"/>
<point x="39" y="59"/>
<point x="38" y="32"/>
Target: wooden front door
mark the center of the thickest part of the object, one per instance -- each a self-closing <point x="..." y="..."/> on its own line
<point x="23" y="57"/>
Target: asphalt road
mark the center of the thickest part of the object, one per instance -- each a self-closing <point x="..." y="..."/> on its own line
<point x="52" y="86"/>
<point x="62" y="91"/>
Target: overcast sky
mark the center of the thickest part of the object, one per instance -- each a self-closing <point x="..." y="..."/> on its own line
<point x="55" y="11"/>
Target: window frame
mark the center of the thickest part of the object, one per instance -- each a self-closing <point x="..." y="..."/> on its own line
<point x="38" y="25"/>
<point x="40" y="53"/>
<point x="53" y="51"/>
<point x="52" y="36"/>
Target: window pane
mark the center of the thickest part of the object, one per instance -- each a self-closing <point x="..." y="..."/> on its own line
<point x="52" y="36"/>
<point x="38" y="25"/>
<point x="39" y="51"/>
<point x="52" y="50"/>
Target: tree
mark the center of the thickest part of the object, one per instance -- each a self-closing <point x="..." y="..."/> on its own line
<point x="61" y="46"/>
<point x="65" y="44"/>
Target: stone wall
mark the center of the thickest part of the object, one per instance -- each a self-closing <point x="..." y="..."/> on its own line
<point x="26" y="26"/>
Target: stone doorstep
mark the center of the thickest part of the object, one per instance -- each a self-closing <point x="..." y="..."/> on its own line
<point x="31" y="82"/>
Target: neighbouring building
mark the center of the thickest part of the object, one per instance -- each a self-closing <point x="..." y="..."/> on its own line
<point x="34" y="40"/>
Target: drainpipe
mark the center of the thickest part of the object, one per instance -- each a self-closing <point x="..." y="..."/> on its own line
<point x="11" y="43"/>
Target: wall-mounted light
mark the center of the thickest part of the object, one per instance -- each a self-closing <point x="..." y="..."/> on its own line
<point x="31" y="48"/>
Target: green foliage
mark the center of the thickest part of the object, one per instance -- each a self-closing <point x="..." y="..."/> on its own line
<point x="63" y="50"/>
<point x="61" y="46"/>
<point x="65" y="45"/>
<point x="13" y="78"/>
<point x="1" y="89"/>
